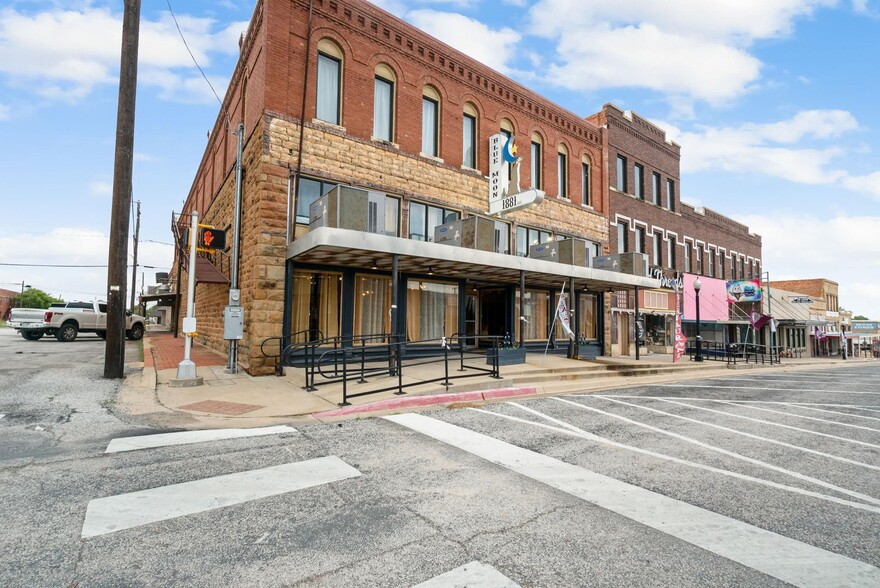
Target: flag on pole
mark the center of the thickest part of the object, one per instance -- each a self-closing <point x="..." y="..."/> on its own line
<point x="680" y="345"/>
<point x="562" y="314"/>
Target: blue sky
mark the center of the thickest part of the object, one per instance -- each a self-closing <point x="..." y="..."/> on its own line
<point x="773" y="102"/>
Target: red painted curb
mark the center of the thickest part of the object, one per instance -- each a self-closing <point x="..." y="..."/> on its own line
<point x="417" y="401"/>
<point x="507" y="392"/>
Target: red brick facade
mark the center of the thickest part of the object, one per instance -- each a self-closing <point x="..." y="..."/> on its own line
<point x="701" y="230"/>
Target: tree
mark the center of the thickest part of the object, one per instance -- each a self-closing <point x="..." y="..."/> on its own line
<point x="861" y="318"/>
<point x="35" y="298"/>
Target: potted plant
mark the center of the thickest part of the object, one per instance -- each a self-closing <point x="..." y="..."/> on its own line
<point x="586" y="349"/>
<point x="509" y="352"/>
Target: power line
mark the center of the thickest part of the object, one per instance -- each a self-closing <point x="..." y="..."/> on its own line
<point x="191" y="53"/>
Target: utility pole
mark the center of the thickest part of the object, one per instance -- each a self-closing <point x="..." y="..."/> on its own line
<point x="134" y="269"/>
<point x="114" y="355"/>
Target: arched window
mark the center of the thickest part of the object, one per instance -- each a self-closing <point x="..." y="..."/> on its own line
<point x="586" y="195"/>
<point x="562" y="171"/>
<point x="329" y="93"/>
<point x="430" y="122"/>
<point x="383" y="103"/>
<point x="536" y="155"/>
<point x="469" y="137"/>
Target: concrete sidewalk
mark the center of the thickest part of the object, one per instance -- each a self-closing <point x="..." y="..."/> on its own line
<point x="241" y="400"/>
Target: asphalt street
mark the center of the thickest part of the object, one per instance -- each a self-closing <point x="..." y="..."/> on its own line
<point x="758" y="478"/>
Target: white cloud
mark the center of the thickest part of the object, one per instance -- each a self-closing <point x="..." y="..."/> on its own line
<point x="83" y="246"/>
<point x="493" y="47"/>
<point x="868" y="184"/>
<point x="778" y="149"/>
<point x="138" y="156"/>
<point x="63" y="54"/>
<point x="689" y="48"/>
<point x="804" y="246"/>
<point x="100" y="188"/>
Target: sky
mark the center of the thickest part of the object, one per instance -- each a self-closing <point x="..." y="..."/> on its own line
<point x="774" y="102"/>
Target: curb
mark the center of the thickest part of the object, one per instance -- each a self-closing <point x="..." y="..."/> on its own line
<point x="422" y="401"/>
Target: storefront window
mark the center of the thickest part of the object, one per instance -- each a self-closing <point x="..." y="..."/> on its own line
<point x="588" y="310"/>
<point x="372" y="306"/>
<point x="536" y="312"/>
<point x="658" y="329"/>
<point x="431" y="310"/>
<point x="316" y="307"/>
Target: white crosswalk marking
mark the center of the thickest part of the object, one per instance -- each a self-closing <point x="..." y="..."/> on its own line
<point x="187" y="437"/>
<point x="125" y="511"/>
<point x="471" y="575"/>
<point x="767" y="552"/>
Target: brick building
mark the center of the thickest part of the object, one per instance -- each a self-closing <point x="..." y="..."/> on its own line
<point x="7" y="299"/>
<point x="391" y="130"/>
<point x="682" y="242"/>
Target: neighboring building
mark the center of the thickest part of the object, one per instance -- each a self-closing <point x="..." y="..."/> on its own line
<point x="646" y="215"/>
<point x="7" y="299"/>
<point x="794" y="325"/>
<point x="824" y="312"/>
<point x="348" y="95"/>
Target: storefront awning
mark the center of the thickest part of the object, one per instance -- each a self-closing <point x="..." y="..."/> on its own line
<point x="342" y="247"/>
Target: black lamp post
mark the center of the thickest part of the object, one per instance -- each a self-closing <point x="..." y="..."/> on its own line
<point x="697" y="285"/>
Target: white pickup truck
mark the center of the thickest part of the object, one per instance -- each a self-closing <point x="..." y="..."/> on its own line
<point x="65" y="320"/>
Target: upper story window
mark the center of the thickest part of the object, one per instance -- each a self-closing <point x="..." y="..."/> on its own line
<point x="502" y="237"/>
<point x="711" y="263"/>
<point x="732" y="267"/>
<point x="594" y="250"/>
<point x="655" y="188"/>
<point x="721" y="263"/>
<point x="535" y="163"/>
<point x="329" y="94"/>
<point x="622" y="245"/>
<point x="430" y="122"/>
<point x="424" y="218"/>
<point x="383" y="104"/>
<point x="585" y="182"/>
<point x="670" y="253"/>
<point x="469" y="137"/>
<point x="640" y="239"/>
<point x="562" y="172"/>
<point x="527" y="236"/>
<point x="639" y="181"/>
<point x="621" y="173"/>
<point x="700" y="253"/>
<point x="687" y="258"/>
<point x="309" y="191"/>
<point x="670" y="194"/>
<point x="742" y="267"/>
<point x="658" y="254"/>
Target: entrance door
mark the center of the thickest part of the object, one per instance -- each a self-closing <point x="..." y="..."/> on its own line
<point x="493" y="313"/>
<point x="470" y="317"/>
<point x="623" y="332"/>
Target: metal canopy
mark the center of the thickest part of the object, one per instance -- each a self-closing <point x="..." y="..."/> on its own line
<point x="346" y="248"/>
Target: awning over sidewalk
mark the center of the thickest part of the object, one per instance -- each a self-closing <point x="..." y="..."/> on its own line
<point x="342" y="247"/>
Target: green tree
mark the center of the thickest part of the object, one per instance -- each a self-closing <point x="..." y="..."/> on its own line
<point x="35" y="298"/>
<point x="861" y="318"/>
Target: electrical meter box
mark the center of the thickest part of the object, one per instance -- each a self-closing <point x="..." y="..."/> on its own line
<point x="233" y="322"/>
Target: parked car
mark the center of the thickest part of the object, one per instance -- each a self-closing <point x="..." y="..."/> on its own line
<point x="65" y="320"/>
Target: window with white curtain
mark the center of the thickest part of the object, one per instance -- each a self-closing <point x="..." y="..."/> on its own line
<point x="329" y="84"/>
<point x="469" y="137"/>
<point x="383" y="109"/>
<point x="431" y="310"/>
<point x="430" y="122"/>
<point x="372" y="306"/>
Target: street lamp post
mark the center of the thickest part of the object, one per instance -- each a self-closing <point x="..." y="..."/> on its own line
<point x="697" y="285"/>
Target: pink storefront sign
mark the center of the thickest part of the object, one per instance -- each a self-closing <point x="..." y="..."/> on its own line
<point x="713" y="299"/>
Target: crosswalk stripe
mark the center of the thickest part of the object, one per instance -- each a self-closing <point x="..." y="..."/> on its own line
<point x="125" y="511"/>
<point x="767" y="552"/>
<point x="187" y="437"/>
<point x="471" y="575"/>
